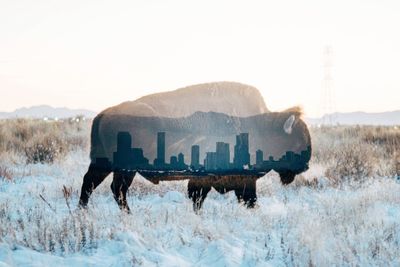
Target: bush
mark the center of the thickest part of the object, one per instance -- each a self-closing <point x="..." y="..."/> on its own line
<point x="45" y="150"/>
<point x="352" y="161"/>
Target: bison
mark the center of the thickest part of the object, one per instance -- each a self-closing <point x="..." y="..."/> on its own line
<point x="207" y="122"/>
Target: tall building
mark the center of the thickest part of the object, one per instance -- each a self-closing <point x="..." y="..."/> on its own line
<point x="124" y="141"/>
<point x="122" y="157"/>
<point x="160" y="160"/>
<point x="223" y="156"/>
<point x="210" y="162"/>
<point x="127" y="157"/>
<point x="138" y="158"/>
<point x="241" y="155"/>
<point x="181" y="160"/>
<point x="195" y="157"/>
<point x="173" y="162"/>
<point x="259" y="157"/>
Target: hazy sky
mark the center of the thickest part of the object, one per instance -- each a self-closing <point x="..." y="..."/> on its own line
<point x="93" y="54"/>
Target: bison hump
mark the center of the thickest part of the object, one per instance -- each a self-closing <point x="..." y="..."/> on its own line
<point x="231" y="98"/>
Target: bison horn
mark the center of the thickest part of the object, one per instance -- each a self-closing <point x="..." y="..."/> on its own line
<point x="288" y="125"/>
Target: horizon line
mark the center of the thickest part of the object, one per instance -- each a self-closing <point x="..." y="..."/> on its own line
<point x="96" y="111"/>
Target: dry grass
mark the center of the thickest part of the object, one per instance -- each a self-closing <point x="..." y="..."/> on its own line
<point x="39" y="141"/>
<point x="355" y="152"/>
<point x="6" y="173"/>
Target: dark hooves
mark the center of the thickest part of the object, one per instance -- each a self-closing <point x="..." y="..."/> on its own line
<point x="126" y="209"/>
<point x="287" y="177"/>
<point x="82" y="205"/>
<point x="250" y="204"/>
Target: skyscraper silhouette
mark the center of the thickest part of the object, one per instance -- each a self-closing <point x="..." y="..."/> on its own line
<point x="195" y="157"/>
<point x="122" y="157"/>
<point x="181" y="161"/>
<point x="160" y="160"/>
<point x="241" y="156"/>
<point x="259" y="157"/>
<point x="127" y="157"/>
<point x="124" y="141"/>
<point x="210" y="162"/>
<point x="173" y="162"/>
<point x="223" y="156"/>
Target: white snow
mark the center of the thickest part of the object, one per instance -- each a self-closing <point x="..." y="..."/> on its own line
<point x="296" y="225"/>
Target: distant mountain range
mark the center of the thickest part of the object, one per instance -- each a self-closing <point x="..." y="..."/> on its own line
<point x="361" y="118"/>
<point x="45" y="111"/>
<point x="349" y="118"/>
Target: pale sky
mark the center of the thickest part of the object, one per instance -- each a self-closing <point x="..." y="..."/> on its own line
<point x="94" y="54"/>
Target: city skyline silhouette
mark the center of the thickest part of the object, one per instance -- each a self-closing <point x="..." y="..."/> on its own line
<point x="131" y="158"/>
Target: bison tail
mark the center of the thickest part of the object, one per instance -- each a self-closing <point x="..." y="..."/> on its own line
<point x="96" y="146"/>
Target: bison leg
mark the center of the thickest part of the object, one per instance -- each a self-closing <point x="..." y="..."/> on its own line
<point x="247" y="194"/>
<point x="119" y="187"/>
<point x="287" y="176"/>
<point x="91" y="180"/>
<point x="197" y="193"/>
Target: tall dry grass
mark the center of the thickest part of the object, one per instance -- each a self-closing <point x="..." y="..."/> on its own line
<point x="39" y="141"/>
<point x="357" y="152"/>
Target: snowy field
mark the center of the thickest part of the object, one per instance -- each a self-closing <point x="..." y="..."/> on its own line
<point x="317" y="223"/>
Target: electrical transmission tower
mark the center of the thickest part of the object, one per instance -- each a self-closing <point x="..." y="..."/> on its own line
<point x="328" y="98"/>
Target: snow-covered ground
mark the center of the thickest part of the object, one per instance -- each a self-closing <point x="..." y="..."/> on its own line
<point x="298" y="225"/>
